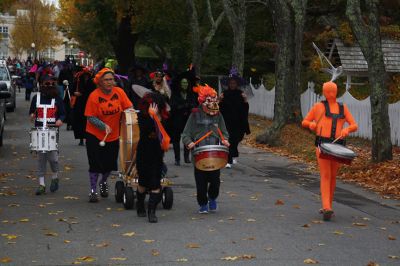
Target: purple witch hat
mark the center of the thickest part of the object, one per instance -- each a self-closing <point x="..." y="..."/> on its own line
<point x="233" y="74"/>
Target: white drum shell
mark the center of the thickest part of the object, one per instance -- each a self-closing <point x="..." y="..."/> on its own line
<point x="44" y="139"/>
<point x="337" y="150"/>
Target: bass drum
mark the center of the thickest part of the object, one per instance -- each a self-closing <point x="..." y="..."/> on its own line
<point x="210" y="157"/>
<point x="128" y="141"/>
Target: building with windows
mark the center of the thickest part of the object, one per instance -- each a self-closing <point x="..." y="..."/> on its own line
<point x="7" y="22"/>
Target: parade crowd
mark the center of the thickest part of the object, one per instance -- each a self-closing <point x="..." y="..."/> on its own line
<point x="171" y="108"/>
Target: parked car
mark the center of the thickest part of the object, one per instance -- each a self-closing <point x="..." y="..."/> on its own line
<point x="4" y="94"/>
<point x="6" y="78"/>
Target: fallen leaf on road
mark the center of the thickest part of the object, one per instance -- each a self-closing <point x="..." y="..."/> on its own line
<point x="317" y="222"/>
<point x="253" y="198"/>
<point x="25" y="220"/>
<point x="306" y="226"/>
<point x="148" y="241"/>
<point x="359" y="224"/>
<point x="231" y="218"/>
<point x="86" y="259"/>
<point x="13" y="205"/>
<point x="251" y="220"/>
<point x="279" y="202"/>
<point x="366" y="219"/>
<point x="310" y="261"/>
<point x="67" y="168"/>
<point x="338" y="232"/>
<point x="71" y="198"/>
<point x="155" y="252"/>
<point x="50" y="234"/>
<point x="115" y="225"/>
<point x="230" y="258"/>
<point x="321" y="244"/>
<point x="42" y="206"/>
<point x="118" y="259"/>
<point x="268" y="249"/>
<point x="108" y="209"/>
<point x="247" y="257"/>
<point x="67" y="241"/>
<point x="102" y="245"/>
<point x="383" y="228"/>
<point x="393" y="257"/>
<point x="5" y="260"/>
<point x="120" y="209"/>
<point x="249" y="238"/>
<point x="390" y="237"/>
<point x="130" y="234"/>
<point x="9" y="237"/>
<point x="182" y="260"/>
<point x="372" y="263"/>
<point x="296" y="207"/>
<point x="192" y="245"/>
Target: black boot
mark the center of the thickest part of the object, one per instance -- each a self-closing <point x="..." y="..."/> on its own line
<point x="177" y="153"/>
<point x="154" y="199"/>
<point x="141" y="210"/>
<point x="186" y="153"/>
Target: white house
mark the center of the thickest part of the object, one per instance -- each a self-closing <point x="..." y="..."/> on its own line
<point x="59" y="53"/>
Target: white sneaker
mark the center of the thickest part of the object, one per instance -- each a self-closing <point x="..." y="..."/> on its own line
<point x="234" y="161"/>
<point x="228" y="165"/>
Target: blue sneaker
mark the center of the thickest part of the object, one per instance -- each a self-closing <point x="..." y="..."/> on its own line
<point x="203" y="209"/>
<point x="212" y="205"/>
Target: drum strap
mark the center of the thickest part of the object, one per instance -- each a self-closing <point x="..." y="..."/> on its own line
<point x="44" y="106"/>
<point x="334" y="117"/>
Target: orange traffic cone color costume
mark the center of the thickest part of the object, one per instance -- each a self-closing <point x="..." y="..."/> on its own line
<point x="327" y="120"/>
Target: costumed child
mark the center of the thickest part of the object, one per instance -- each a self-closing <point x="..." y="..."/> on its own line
<point x="327" y="120"/>
<point x="47" y="110"/>
<point x="203" y="119"/>
<point x="153" y="142"/>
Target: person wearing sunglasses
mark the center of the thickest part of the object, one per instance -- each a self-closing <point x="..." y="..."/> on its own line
<point x="55" y="113"/>
<point x="103" y="112"/>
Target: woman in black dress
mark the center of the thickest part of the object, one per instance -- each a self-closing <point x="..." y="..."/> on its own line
<point x="235" y="110"/>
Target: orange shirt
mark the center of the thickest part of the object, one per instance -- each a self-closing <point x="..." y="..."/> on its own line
<point x="324" y="123"/>
<point x="107" y="108"/>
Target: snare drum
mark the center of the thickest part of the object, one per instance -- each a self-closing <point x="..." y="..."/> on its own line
<point x="128" y="141"/>
<point x="336" y="152"/>
<point x="210" y="157"/>
<point x="44" y="139"/>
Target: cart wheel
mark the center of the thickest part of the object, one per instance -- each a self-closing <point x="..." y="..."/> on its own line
<point x="119" y="191"/>
<point x="128" y="198"/>
<point x="167" y="198"/>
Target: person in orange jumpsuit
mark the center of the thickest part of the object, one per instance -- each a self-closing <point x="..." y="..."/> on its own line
<point x="327" y="120"/>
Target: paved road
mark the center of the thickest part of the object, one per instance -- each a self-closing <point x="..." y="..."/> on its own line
<point x="268" y="216"/>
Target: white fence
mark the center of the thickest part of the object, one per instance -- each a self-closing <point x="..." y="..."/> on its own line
<point x="263" y="104"/>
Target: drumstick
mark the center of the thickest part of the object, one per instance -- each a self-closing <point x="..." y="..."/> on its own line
<point x="103" y="142"/>
<point x="337" y="139"/>
<point x="203" y="137"/>
<point x="220" y="134"/>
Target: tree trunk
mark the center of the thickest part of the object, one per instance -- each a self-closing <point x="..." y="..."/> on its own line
<point x="124" y="46"/>
<point x="200" y="46"/>
<point x="288" y="18"/>
<point x="237" y="20"/>
<point x="369" y="39"/>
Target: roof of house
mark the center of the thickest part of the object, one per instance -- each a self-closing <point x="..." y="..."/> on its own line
<point x="353" y="61"/>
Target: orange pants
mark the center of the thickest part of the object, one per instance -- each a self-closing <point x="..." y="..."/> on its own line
<point x="328" y="170"/>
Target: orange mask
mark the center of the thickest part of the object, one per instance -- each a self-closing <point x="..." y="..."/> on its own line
<point x="329" y="90"/>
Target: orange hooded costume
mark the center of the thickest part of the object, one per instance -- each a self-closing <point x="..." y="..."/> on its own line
<point x="327" y="119"/>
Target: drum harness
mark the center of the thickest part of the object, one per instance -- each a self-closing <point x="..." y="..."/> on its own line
<point x="44" y="106"/>
<point x="335" y="117"/>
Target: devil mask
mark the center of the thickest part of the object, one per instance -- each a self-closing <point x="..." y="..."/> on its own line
<point x="209" y="100"/>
